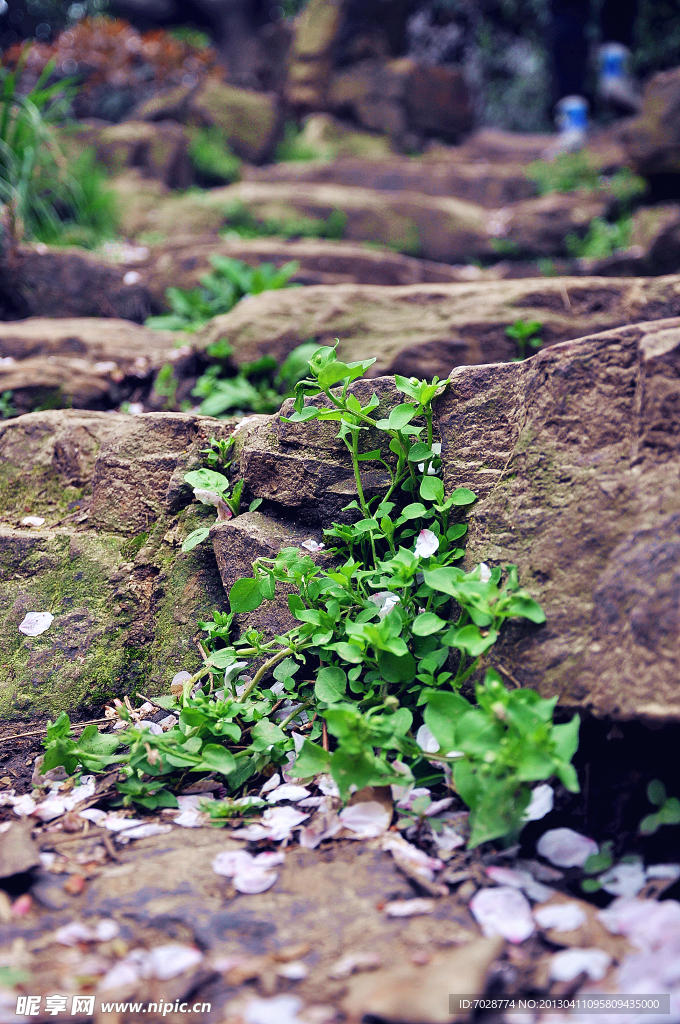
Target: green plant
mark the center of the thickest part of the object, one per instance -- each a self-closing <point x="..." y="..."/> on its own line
<point x="7" y="409"/>
<point x="602" y="240"/>
<point x="293" y="147"/>
<point x="525" y="333"/>
<point x="568" y="172"/>
<point x="667" y="813"/>
<point x="219" y="291"/>
<point x="388" y="629"/>
<point x="240" y="221"/>
<point x="258" y="387"/>
<point x="90" y="216"/>
<point x="212" y="158"/>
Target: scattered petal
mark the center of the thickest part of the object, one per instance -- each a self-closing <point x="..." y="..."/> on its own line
<point x="324" y="825"/>
<point x="73" y="933"/>
<point x="647" y="923"/>
<point x="521" y="880"/>
<point x="32" y="521"/>
<point x="347" y="965"/>
<point x="279" y="1010"/>
<point x="35" y="623"/>
<point x="563" y="917"/>
<point x="271" y="784"/>
<point x="207" y="497"/>
<point x="405" y="795"/>
<point x="565" y="848"/>
<point x="426" y="741"/>
<point x="484" y="572"/>
<point x="289" y="791"/>
<point x="384" y="601"/>
<point x="366" y="820"/>
<point x="165" y="962"/>
<point x="427" y="544"/>
<point x="250" y="874"/>
<point x="24" y="805"/>
<point x="327" y="785"/>
<point x="541" y="803"/>
<point x="409" y="908"/>
<point x="293" y="971"/>
<point x="132" y="277"/>
<point x="569" y="963"/>
<point x="626" y="879"/>
<point x="312" y="545"/>
<point x="410" y="857"/>
<point x="503" y="911"/>
<point x="448" y="839"/>
<point x="146" y="830"/>
<point x="663" y="871"/>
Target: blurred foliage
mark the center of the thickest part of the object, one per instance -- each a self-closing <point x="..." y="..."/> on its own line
<point x="212" y="159"/>
<point x="571" y="172"/>
<point x="293" y="146"/>
<point x="240" y="221"/>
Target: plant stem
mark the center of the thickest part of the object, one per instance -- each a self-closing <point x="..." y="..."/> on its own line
<point x="262" y="671"/>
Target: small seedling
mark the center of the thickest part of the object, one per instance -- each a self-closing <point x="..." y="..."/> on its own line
<point x="525" y="333"/>
<point x="667" y="813"/>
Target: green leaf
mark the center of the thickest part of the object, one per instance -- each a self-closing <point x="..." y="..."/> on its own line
<point x="223" y="658"/>
<point x="427" y="623"/>
<point x="525" y="607"/>
<point x="401" y="415"/>
<point x="195" y="538"/>
<point x="470" y="640"/>
<point x="656" y="792"/>
<point x="311" y="760"/>
<point x="565" y="737"/>
<point x="265" y="734"/>
<point x="420" y="452"/>
<point x="441" y="716"/>
<point x="245" y="595"/>
<point x="207" y="480"/>
<point x="463" y="496"/>
<point x="218" y="759"/>
<point x="432" y="489"/>
<point x="397" y="668"/>
<point x="445" y="580"/>
<point x="361" y="768"/>
<point x="330" y="685"/>
<point x="669" y="812"/>
<point x="349" y="652"/>
<point x="413" y="511"/>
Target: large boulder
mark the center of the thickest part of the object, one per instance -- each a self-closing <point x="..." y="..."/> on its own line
<point x="574" y="454"/>
<point x="85" y="363"/>
<point x="439" y="228"/>
<point x="652" y="140"/>
<point x="491" y="185"/>
<point x="160" y="150"/>
<point x="106" y="563"/>
<point x="424" y="330"/>
<point x="251" y="121"/>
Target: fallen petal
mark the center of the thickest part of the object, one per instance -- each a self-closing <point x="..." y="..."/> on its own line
<point x="347" y="965"/>
<point x="229" y="862"/>
<point x="563" y="917"/>
<point x="541" y="803"/>
<point x="503" y="911"/>
<point x="271" y="784"/>
<point x="647" y="923"/>
<point x="32" y="521"/>
<point x="279" y="1010"/>
<point x="427" y="544"/>
<point x="569" y="963"/>
<point x="410" y="857"/>
<point x="565" y="848"/>
<point x="165" y="962"/>
<point x="366" y="820"/>
<point x="426" y="741"/>
<point x="409" y="908"/>
<point x="144" y="831"/>
<point x="35" y="623"/>
<point x="624" y="879"/>
<point x="288" y="791"/>
<point x="521" y="880"/>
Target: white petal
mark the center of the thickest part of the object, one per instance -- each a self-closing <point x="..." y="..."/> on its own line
<point x="73" y="933"/>
<point x="366" y="820"/>
<point x="426" y="740"/>
<point x="24" y="805"/>
<point x="541" y="803"/>
<point x="663" y="871"/>
<point x="411" y="857"/>
<point x="569" y="963"/>
<point x="146" y="830"/>
<point x="279" y="1010"/>
<point x="229" y="862"/>
<point x="327" y="785"/>
<point x="32" y="521"/>
<point x="484" y="572"/>
<point x="409" y="908"/>
<point x="624" y="879"/>
<point x="563" y="917"/>
<point x="447" y="839"/>
<point x="253" y="880"/>
<point x="280" y="820"/>
<point x="35" y="623"/>
<point x="565" y="848"/>
<point x="503" y="911"/>
<point x="271" y="784"/>
<point x="165" y="962"/>
<point x="427" y="544"/>
<point x="206" y="497"/>
<point x="647" y="923"/>
<point x="312" y="545"/>
<point x="521" y="880"/>
<point x="289" y="791"/>
<point x="385" y="601"/>
<point x="106" y="929"/>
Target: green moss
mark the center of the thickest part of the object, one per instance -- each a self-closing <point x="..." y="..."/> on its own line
<point x="131" y="548"/>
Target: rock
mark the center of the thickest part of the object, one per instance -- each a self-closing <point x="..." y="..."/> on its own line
<point x="59" y="282"/>
<point x="168" y="105"/>
<point x="311" y="57"/>
<point x="573" y="454"/>
<point x="438" y="228"/>
<point x="420" y="995"/>
<point x="652" y="140"/>
<point x="82" y="362"/>
<point x="251" y="121"/>
<point x="489" y="185"/>
<point x="404" y="99"/>
<point x="239" y="542"/>
<point x="107" y="562"/>
<point x="183" y="263"/>
<point x="18" y="852"/>
<point x="331" y="138"/>
<point x="428" y="329"/>
<point x="160" y="150"/>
